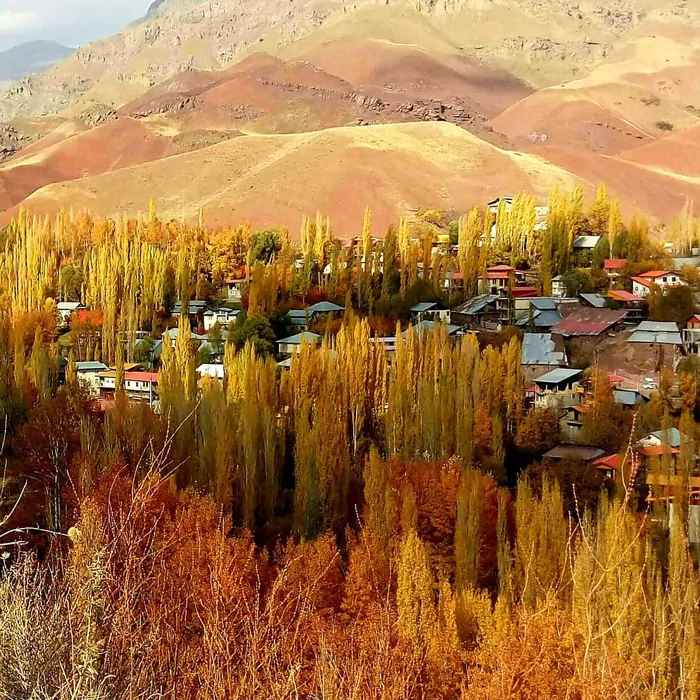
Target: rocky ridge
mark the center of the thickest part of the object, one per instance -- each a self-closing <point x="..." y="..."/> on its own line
<point x="184" y="35"/>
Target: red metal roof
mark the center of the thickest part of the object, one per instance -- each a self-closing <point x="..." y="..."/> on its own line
<point x="655" y="273"/>
<point x="588" y="321"/>
<point x="615" y="263"/>
<point x="524" y="292"/>
<point x="500" y="268"/>
<point x="455" y="276"/>
<point x="623" y="295"/>
<point x="609" y="462"/>
<point x="142" y="376"/>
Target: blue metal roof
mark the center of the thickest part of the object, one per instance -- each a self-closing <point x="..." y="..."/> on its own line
<point x="544" y="303"/>
<point x="626" y="397"/>
<point x="424" y="306"/>
<point x="541" y="349"/>
<point x="299" y="338"/>
<point x="557" y="376"/>
<point x="91" y="366"/>
<point x="595" y="300"/>
<point x="324" y="307"/>
<point x="477" y="304"/>
<point x="424" y="326"/>
<point x="659" y="338"/>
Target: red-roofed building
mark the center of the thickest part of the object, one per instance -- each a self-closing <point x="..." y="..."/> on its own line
<point x="500" y="278"/>
<point x="524" y="292"/>
<point x="454" y="281"/>
<point x="138" y="385"/>
<point x="609" y="465"/>
<point x="691" y="335"/>
<point x="614" y="264"/>
<point x="588" y="321"/>
<point x="635" y="305"/>
<point x="613" y="267"/>
<point x="641" y="284"/>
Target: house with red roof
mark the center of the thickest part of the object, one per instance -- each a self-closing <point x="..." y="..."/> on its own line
<point x="138" y="385"/>
<point x="500" y="278"/>
<point x="588" y="321"/>
<point x="641" y="284"/>
<point x="635" y="306"/>
<point x="609" y="465"/>
<point x="614" y="267"/>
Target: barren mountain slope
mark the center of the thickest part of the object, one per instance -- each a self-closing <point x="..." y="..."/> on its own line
<point x="276" y="179"/>
<point x="262" y="94"/>
<point x="68" y="155"/>
<point x="546" y="42"/>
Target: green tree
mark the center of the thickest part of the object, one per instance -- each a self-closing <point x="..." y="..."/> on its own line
<point x="264" y="245"/>
<point x="256" y="330"/>
<point x="675" y="304"/>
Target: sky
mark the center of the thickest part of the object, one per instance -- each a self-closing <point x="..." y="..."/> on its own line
<point x="69" y="22"/>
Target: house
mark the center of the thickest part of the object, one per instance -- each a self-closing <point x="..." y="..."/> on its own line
<point x="292" y="345"/>
<point x="641" y="284"/>
<point x="195" y="310"/>
<point x="233" y="289"/>
<point x="222" y="316"/>
<point x="536" y="313"/>
<point x="540" y="315"/>
<point x="691" y="335"/>
<point x="559" y="388"/>
<point x="89" y="375"/>
<point x="540" y="353"/>
<point x="138" y="385"/>
<point x="609" y="466"/>
<point x="614" y="267"/>
<point x="429" y="326"/>
<point x="657" y="333"/>
<point x="579" y="453"/>
<point x="500" y="279"/>
<point x="595" y="301"/>
<point x="588" y="321"/>
<point x="173" y="334"/>
<point x="480" y="312"/>
<point x="298" y="318"/>
<point x="571" y="422"/>
<point x="303" y="318"/>
<point x="67" y="308"/>
<point x="494" y="204"/>
<point x="430" y="311"/>
<point x="669" y="436"/>
<point x="558" y="287"/>
<point x="584" y="244"/>
<point x="454" y="281"/>
<point x="628" y="397"/>
<point x="387" y="343"/>
<point x="323" y="310"/>
<point x="211" y="370"/>
<point x="633" y="304"/>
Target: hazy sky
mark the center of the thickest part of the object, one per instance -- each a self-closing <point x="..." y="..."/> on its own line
<point x="69" y="22"/>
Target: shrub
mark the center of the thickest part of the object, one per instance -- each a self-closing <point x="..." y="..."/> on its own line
<point x="663" y="125"/>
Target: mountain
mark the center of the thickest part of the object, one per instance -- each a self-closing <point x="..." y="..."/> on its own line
<point x="31" y="57"/>
<point x="543" y="42"/>
<point x="264" y="110"/>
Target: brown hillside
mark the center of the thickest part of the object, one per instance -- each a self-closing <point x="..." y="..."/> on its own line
<point x="276" y="179"/>
<point x="119" y="144"/>
<point x="643" y="189"/>
<point x="678" y="153"/>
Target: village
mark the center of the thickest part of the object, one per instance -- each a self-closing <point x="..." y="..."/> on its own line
<point x="569" y="339"/>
